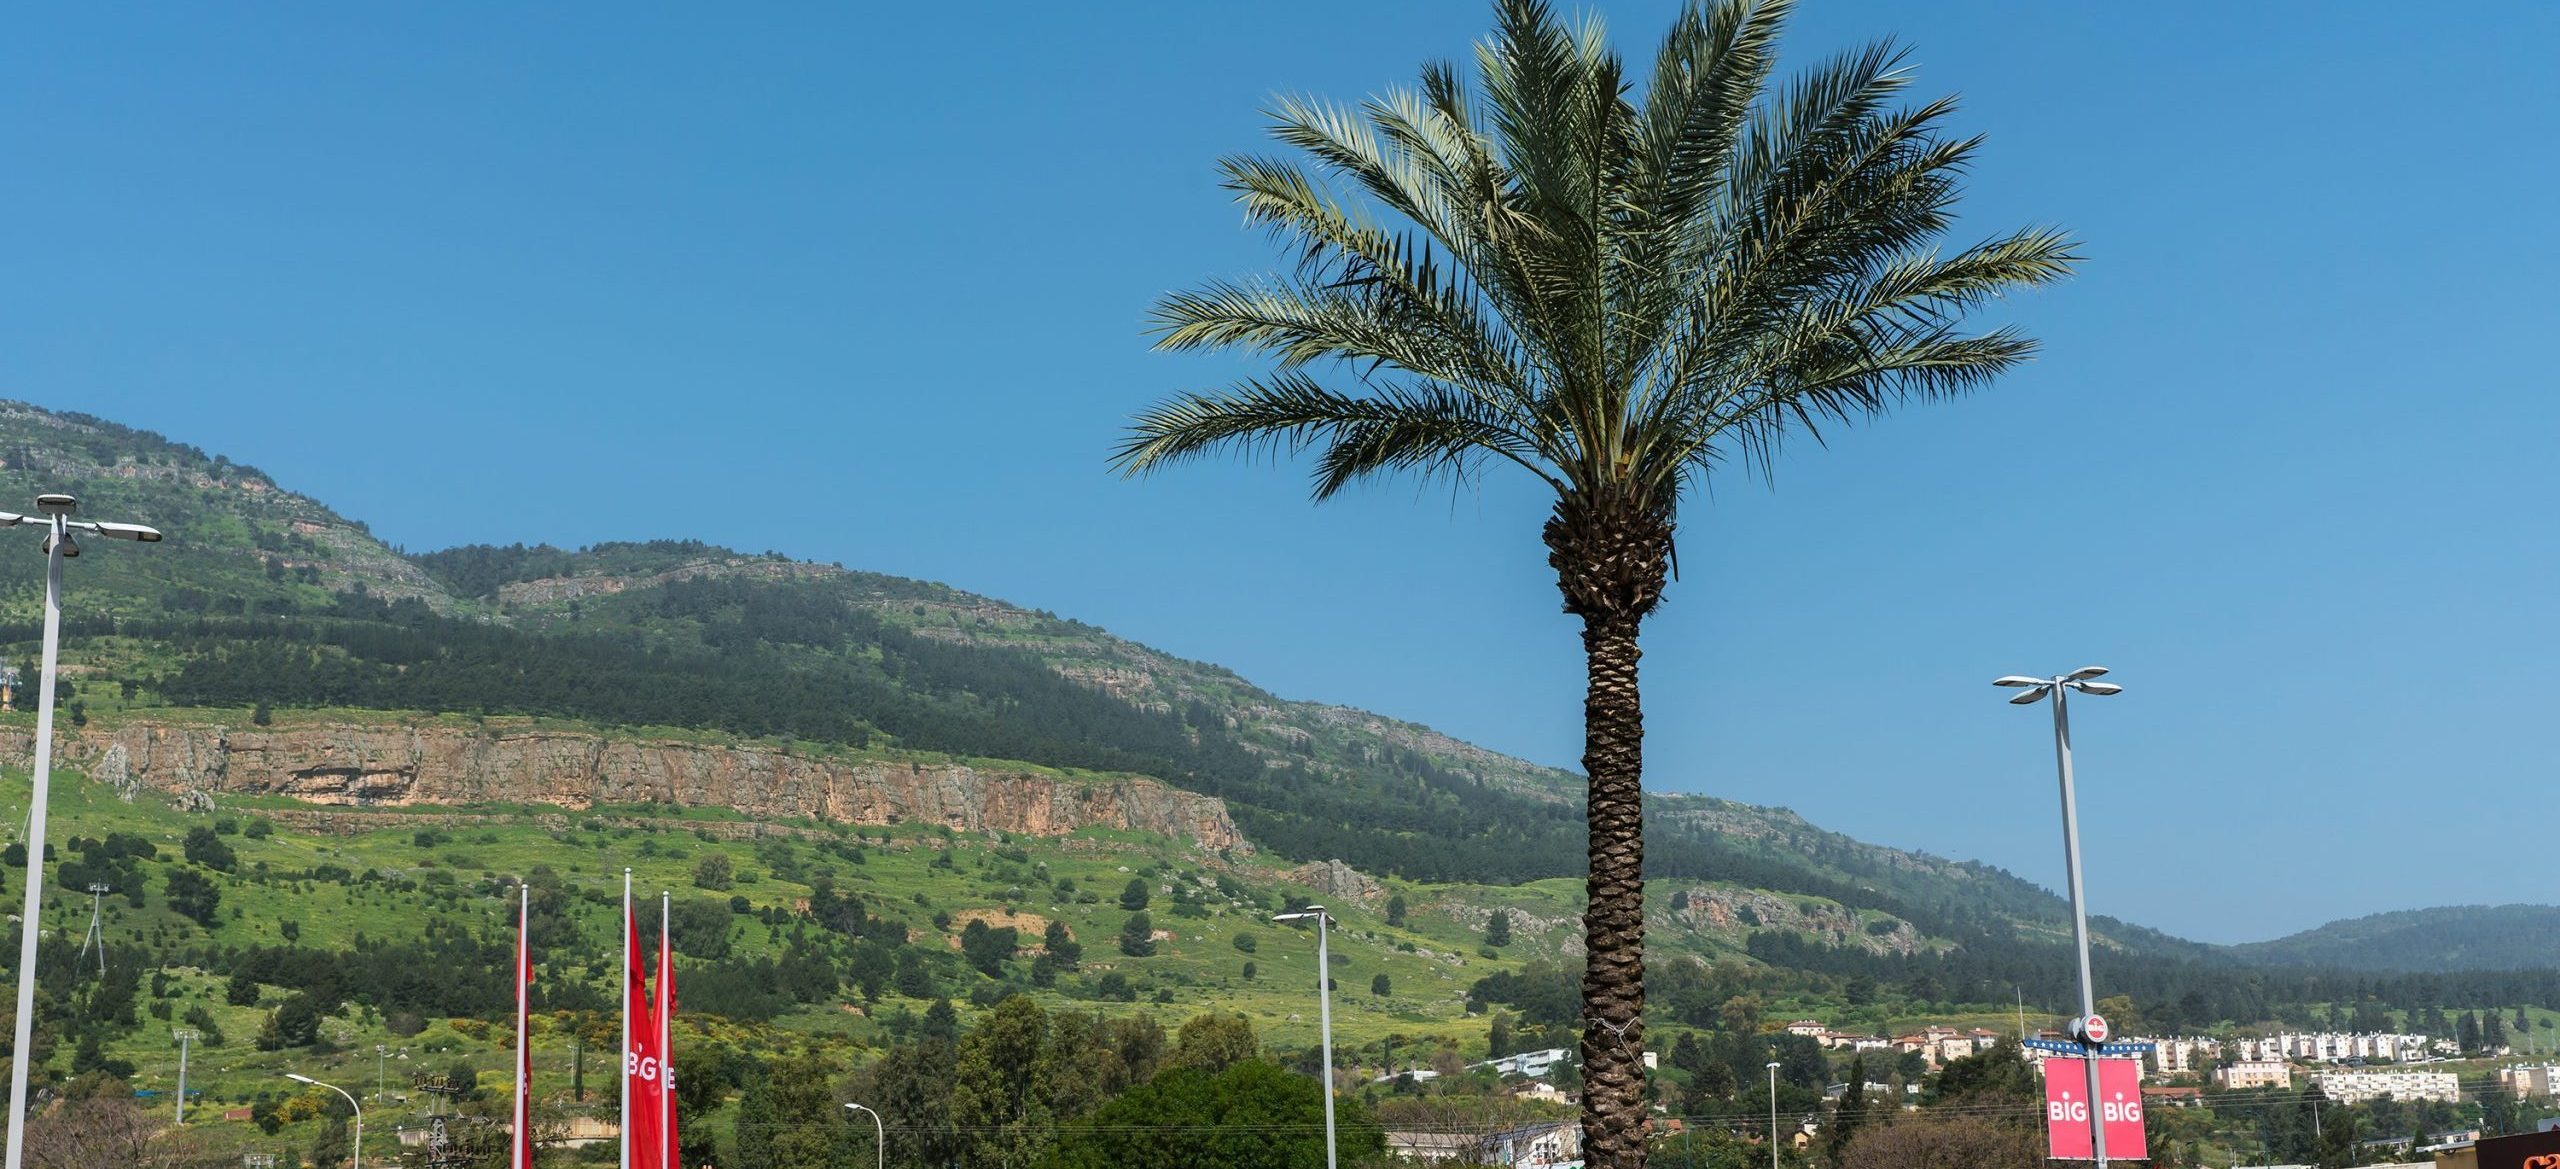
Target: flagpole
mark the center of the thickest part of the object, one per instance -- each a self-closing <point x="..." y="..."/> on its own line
<point x="524" y="1062"/>
<point x="625" y="1062"/>
<point x="666" y="1037"/>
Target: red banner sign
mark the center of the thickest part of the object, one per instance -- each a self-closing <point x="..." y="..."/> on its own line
<point x="2066" y="1109"/>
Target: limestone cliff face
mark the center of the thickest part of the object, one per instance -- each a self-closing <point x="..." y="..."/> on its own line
<point x="374" y="765"/>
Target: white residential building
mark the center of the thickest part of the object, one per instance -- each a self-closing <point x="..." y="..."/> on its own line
<point x="1533" y="1064"/>
<point x="2359" y="1087"/>
<point x="2528" y="1081"/>
<point x="2183" y="1055"/>
<point x="2336" y="1047"/>
<point x="1537" y="1146"/>
<point x="1554" y="1145"/>
<point x="2255" y="1073"/>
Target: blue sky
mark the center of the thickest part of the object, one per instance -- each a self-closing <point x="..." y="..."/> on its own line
<point x="868" y="286"/>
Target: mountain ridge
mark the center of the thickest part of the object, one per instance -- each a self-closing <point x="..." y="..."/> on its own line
<point x="249" y="560"/>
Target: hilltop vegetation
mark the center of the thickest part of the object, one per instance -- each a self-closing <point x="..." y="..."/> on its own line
<point x="2451" y="938"/>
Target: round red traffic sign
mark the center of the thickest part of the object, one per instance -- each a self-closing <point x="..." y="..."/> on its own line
<point x="2094" y="1028"/>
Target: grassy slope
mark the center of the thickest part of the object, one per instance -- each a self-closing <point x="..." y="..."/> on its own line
<point x="1431" y="961"/>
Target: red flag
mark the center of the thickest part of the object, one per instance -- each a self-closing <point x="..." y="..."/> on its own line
<point x="666" y="1040"/>
<point x="523" y="1141"/>
<point x="640" y="1065"/>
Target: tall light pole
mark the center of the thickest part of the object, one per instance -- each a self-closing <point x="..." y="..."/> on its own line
<point x="2059" y="688"/>
<point x="355" y="1147"/>
<point x="879" y="1136"/>
<point x="1324" y="1012"/>
<point x="59" y="529"/>
<point x="97" y="934"/>
<point x="185" y="1037"/>
<point x="1773" y="1114"/>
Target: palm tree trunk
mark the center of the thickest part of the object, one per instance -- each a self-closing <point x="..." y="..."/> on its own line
<point x="1613" y="1095"/>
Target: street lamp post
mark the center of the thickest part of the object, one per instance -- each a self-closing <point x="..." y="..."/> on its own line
<point x="186" y="1036"/>
<point x="1324" y="1013"/>
<point x="2058" y="688"/>
<point x="1773" y="1114"/>
<point x="355" y="1147"/>
<point x="59" y="528"/>
<point x="879" y="1136"/>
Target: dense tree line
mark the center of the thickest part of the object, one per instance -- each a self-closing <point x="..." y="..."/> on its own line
<point x="803" y="659"/>
<point x="2177" y="993"/>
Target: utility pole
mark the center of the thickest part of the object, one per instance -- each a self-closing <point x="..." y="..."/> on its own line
<point x="185" y="1037"/>
<point x="97" y="929"/>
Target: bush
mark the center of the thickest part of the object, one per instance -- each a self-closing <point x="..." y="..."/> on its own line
<point x="206" y="848"/>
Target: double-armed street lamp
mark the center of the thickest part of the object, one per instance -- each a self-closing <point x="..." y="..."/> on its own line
<point x="60" y="544"/>
<point x="2059" y="688"/>
<point x="879" y="1136"/>
<point x="355" y="1145"/>
<point x="1324" y="1012"/>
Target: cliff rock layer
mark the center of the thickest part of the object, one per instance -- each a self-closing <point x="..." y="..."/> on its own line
<point x="376" y="765"/>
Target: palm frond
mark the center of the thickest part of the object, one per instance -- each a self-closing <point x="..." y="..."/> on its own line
<point x="1390" y="427"/>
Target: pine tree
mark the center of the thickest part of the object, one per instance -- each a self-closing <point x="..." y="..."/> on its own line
<point x="1497" y="930"/>
<point x="1395" y="917"/>
<point x="1137" y="936"/>
<point x="1849" y="1116"/>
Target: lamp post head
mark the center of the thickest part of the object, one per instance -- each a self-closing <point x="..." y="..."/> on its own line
<point x="142" y="533"/>
<point x="299" y="1078"/>
<point x="2100" y="689"/>
<point x="1309" y="913"/>
<point x="55" y="504"/>
<point x="1773" y="1065"/>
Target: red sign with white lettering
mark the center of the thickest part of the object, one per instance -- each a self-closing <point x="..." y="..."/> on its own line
<point x="2066" y="1109"/>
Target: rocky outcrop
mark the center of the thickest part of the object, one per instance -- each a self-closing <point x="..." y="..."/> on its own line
<point x="1739" y="911"/>
<point x="434" y="764"/>
<point x="556" y="589"/>
<point x="1338" y="881"/>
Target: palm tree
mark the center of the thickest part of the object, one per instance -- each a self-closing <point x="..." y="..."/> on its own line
<point x="1617" y="287"/>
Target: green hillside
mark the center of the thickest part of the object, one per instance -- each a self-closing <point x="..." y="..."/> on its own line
<point x="2455" y="937"/>
<point x="392" y="929"/>
<point x="327" y="937"/>
<point x="262" y="597"/>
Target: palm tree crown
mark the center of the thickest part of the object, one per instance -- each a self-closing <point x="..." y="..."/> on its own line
<point x="1619" y="287"/>
<point x="1616" y="295"/>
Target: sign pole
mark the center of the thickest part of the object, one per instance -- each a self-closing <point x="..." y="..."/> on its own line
<point x="2079" y="910"/>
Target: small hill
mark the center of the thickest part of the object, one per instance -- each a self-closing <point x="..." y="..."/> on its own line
<point x="2449" y="938"/>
